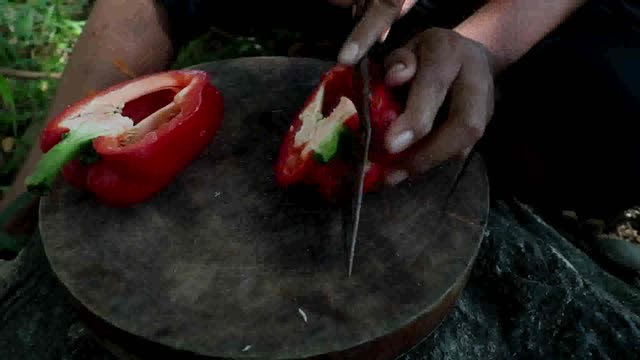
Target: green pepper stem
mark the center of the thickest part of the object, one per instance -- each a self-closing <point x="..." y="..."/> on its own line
<point x="46" y="171"/>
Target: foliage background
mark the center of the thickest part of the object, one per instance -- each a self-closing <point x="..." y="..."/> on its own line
<point x="36" y="36"/>
<point x="39" y="35"/>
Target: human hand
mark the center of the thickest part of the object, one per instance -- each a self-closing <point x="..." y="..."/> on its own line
<point x="438" y="63"/>
<point x="374" y="25"/>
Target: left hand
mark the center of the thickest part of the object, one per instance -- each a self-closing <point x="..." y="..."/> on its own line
<point x="438" y="62"/>
<point x="374" y="26"/>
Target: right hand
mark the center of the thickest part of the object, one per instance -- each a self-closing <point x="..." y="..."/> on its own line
<point x="439" y="64"/>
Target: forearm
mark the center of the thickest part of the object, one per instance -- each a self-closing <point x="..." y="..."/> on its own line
<point x="509" y="28"/>
<point x="130" y="32"/>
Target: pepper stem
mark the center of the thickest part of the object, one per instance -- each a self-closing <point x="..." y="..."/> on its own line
<point x="42" y="179"/>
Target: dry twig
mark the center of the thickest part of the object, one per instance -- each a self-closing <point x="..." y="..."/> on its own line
<point x="27" y="74"/>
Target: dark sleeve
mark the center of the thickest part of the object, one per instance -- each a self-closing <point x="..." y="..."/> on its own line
<point x="187" y="19"/>
<point x="446" y="13"/>
<point x="626" y="12"/>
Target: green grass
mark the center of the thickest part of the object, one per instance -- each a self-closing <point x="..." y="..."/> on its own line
<point x="35" y="35"/>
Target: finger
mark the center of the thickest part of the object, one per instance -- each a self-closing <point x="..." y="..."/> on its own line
<point x="465" y="153"/>
<point x="400" y="66"/>
<point x="399" y="174"/>
<point x="384" y="35"/>
<point x="471" y="109"/>
<point x="407" y="5"/>
<point x="436" y="71"/>
<point x="378" y="17"/>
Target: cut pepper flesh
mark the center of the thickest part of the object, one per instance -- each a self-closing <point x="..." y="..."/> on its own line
<point x="319" y="135"/>
<point x="143" y="131"/>
<point x="311" y="149"/>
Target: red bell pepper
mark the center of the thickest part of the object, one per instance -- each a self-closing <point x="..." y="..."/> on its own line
<point x="311" y="151"/>
<point x="126" y="143"/>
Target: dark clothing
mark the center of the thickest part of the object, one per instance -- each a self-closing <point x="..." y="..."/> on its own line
<point x="567" y="123"/>
<point x="565" y="132"/>
<point x="190" y="18"/>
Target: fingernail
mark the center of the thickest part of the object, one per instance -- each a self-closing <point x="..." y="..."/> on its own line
<point x="396" y="177"/>
<point x="348" y="54"/>
<point x="401" y="141"/>
<point x="399" y="67"/>
<point x="384" y="35"/>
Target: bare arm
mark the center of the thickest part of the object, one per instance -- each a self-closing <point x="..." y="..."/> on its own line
<point x="509" y="28"/>
<point x="131" y="32"/>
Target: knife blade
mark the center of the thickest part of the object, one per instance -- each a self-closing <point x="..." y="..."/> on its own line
<point x="351" y="212"/>
<point x="362" y="72"/>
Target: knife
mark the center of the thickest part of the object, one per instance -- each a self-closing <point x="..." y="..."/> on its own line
<point x="356" y="203"/>
<point x="351" y="213"/>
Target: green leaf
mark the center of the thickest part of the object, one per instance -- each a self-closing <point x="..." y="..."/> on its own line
<point x="19" y="154"/>
<point x="6" y="95"/>
<point x="6" y="51"/>
<point x="24" y="27"/>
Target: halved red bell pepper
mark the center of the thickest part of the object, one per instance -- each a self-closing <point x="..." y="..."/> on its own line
<point x="126" y="143"/>
<point x="312" y="149"/>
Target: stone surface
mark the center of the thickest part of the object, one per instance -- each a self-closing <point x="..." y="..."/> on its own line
<point x="37" y="321"/>
<point x="531" y="294"/>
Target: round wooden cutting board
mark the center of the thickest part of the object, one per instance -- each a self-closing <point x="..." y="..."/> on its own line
<point x="223" y="263"/>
